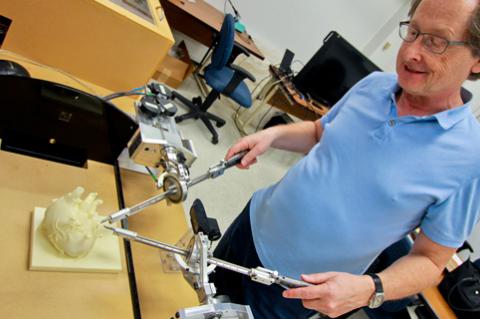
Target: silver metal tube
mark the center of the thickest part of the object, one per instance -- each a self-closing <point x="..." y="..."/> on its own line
<point x="226" y="265"/>
<point x="198" y="179"/>
<point x="152" y="200"/>
<point x="286" y="282"/>
<point x="129" y="211"/>
<point x="213" y="172"/>
<point x="131" y="235"/>
<point x="161" y="245"/>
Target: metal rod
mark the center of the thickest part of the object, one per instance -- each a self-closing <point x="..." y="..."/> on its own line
<point x="198" y="179"/>
<point x="131" y="235"/>
<point x="129" y="211"/>
<point x="229" y="266"/>
<point x="152" y="200"/>
<point x="286" y="282"/>
<point x="213" y="172"/>
<point x="161" y="245"/>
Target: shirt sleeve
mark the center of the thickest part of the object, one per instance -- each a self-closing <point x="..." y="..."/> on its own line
<point x="451" y="221"/>
<point x="332" y="113"/>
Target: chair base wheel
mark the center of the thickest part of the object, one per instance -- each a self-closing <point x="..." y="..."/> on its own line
<point x="218" y="124"/>
<point x="214" y="140"/>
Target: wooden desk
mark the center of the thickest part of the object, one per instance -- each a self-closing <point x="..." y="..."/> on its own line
<point x="27" y="182"/>
<point x="161" y="294"/>
<point x="199" y="20"/>
<point x="287" y="99"/>
<point x="437" y="303"/>
<point x="279" y="93"/>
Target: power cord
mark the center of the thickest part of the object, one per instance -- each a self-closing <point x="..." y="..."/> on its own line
<point x="299" y="62"/>
<point x="262" y="118"/>
<point x="126" y="93"/>
<point x="270" y="108"/>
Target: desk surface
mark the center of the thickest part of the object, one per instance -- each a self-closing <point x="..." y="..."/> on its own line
<point x="289" y="100"/>
<point x="27" y="182"/>
<point x="161" y="294"/>
<point x="198" y="19"/>
<point x="438" y="304"/>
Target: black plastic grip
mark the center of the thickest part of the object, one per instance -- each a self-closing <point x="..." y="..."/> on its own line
<point x="235" y="159"/>
<point x="293" y="283"/>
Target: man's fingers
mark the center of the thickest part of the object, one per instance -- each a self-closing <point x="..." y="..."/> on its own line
<point x="237" y="148"/>
<point x="249" y="158"/>
<point x="319" y="277"/>
<point x="319" y="290"/>
<point x="312" y="292"/>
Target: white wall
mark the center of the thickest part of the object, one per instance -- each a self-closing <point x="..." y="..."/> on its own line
<point x="301" y="25"/>
<point x="385" y="51"/>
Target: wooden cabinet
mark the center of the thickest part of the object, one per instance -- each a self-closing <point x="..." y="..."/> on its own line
<point x="106" y="42"/>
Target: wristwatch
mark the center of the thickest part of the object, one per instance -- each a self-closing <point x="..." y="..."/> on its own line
<point x="376" y="300"/>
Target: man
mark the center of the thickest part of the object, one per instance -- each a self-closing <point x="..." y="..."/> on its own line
<point x="397" y="152"/>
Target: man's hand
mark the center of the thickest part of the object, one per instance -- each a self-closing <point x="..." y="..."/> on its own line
<point x="256" y="144"/>
<point x="334" y="293"/>
<point x="297" y="137"/>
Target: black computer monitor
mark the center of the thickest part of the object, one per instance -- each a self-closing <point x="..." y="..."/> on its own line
<point x="285" y="65"/>
<point x="55" y="122"/>
<point x="333" y="70"/>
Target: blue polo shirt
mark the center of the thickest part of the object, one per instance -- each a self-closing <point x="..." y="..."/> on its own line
<point x="372" y="178"/>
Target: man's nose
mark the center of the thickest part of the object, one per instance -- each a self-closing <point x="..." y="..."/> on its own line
<point x="414" y="50"/>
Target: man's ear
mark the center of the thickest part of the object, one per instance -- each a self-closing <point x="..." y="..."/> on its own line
<point x="476" y="66"/>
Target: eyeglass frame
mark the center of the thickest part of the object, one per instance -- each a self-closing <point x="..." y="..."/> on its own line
<point x="418" y="33"/>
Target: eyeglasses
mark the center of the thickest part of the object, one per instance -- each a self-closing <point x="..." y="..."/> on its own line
<point x="431" y="42"/>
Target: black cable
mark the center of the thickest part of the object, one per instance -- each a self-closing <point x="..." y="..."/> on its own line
<point x="152" y="175"/>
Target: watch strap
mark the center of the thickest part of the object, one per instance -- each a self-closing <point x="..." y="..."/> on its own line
<point x="377" y="298"/>
<point x="377" y="281"/>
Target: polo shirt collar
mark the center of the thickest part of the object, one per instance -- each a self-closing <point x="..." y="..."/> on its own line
<point x="448" y="118"/>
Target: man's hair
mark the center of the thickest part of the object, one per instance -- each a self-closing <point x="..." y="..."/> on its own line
<point x="473" y="32"/>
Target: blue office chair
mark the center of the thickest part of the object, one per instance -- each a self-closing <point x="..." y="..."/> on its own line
<point x="223" y="77"/>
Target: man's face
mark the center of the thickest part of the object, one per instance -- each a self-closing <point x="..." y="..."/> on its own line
<point x="423" y="73"/>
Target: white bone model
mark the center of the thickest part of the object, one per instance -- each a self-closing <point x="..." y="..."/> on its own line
<point x="72" y="224"/>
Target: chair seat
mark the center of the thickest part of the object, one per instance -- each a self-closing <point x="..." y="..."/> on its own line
<point x="218" y="79"/>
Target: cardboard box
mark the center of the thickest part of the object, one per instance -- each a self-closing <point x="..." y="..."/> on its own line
<point x="176" y="67"/>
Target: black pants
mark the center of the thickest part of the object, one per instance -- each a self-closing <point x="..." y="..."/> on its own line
<point x="237" y="246"/>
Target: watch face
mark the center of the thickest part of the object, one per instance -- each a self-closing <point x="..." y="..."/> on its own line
<point x="376" y="301"/>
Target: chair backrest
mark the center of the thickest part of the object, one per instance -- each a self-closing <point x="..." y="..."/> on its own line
<point x="223" y="49"/>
